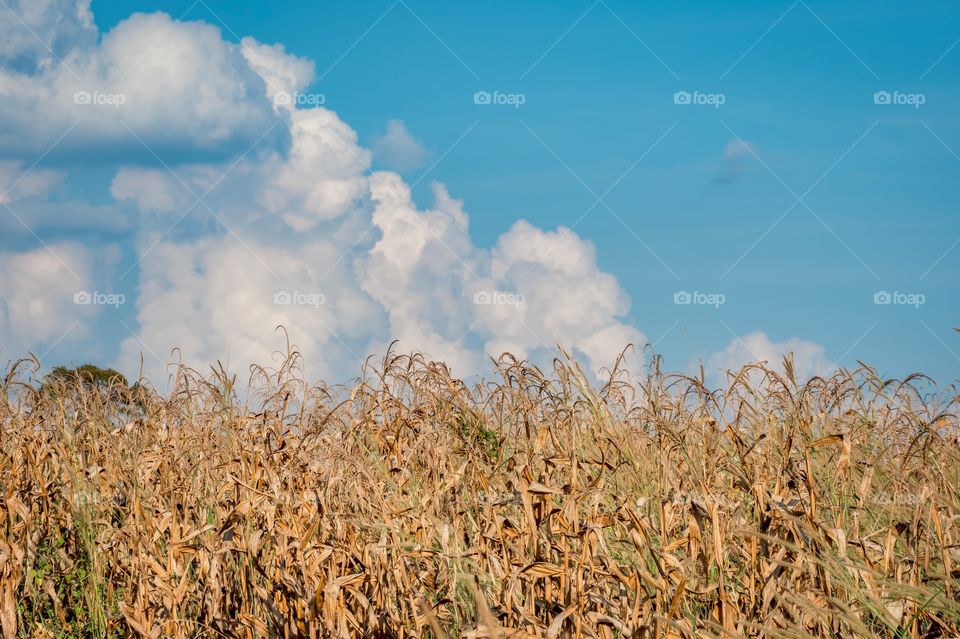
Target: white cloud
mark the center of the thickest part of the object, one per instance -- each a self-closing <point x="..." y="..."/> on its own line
<point x="362" y="264"/>
<point x="151" y="190"/>
<point x="34" y="198"/>
<point x="178" y="86"/>
<point x="214" y="299"/>
<point x="809" y="358"/>
<point x="16" y="182"/>
<point x="34" y="33"/>
<point x="398" y="150"/>
<point x="281" y="71"/>
<point x="36" y="296"/>
<point x="323" y="175"/>
<point x="567" y="299"/>
<point x="385" y="269"/>
<point x="321" y="178"/>
<point x="543" y="288"/>
<point x="419" y="271"/>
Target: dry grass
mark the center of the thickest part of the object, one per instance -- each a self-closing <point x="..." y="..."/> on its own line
<point x="411" y="506"/>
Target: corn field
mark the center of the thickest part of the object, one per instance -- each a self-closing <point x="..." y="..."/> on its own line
<point x="535" y="504"/>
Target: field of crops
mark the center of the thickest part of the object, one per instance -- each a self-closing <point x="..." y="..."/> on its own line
<point x="535" y="505"/>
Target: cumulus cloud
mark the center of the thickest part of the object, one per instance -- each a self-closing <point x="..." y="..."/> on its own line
<point x="809" y="358"/>
<point x="566" y="298"/>
<point x="37" y="296"/>
<point x="17" y="182"/>
<point x="385" y="270"/>
<point x="322" y="177"/>
<point x="151" y="190"/>
<point x="282" y="72"/>
<point x="398" y="150"/>
<point x="176" y="87"/>
<point x="534" y="290"/>
<point x="34" y="199"/>
<point x="35" y="34"/>
<point x="221" y="299"/>
<point x="419" y="271"/>
<point x="302" y="234"/>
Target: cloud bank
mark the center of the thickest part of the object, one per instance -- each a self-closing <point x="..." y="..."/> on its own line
<point x="250" y="210"/>
<point x="149" y="86"/>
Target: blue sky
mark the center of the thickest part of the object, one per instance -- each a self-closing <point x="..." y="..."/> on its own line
<point x="795" y="201"/>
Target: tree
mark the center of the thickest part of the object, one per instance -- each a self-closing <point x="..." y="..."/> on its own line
<point x="90" y="376"/>
<point x="92" y="380"/>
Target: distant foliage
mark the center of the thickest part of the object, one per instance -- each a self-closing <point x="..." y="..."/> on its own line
<point x="83" y="384"/>
<point x="88" y="375"/>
